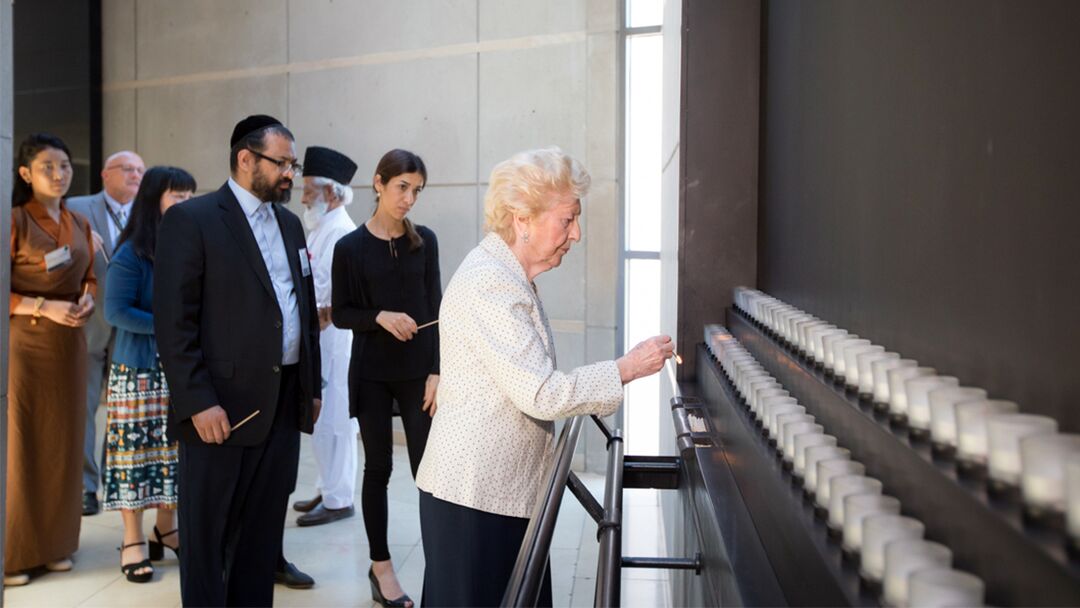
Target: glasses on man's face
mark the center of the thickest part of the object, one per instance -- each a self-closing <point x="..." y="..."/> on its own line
<point x="129" y="169"/>
<point x="284" y="165"/>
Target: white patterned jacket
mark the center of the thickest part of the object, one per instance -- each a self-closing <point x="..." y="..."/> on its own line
<point x="499" y="392"/>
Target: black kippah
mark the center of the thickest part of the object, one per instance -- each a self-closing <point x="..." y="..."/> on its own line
<point x="324" y="162"/>
<point x="249" y="125"/>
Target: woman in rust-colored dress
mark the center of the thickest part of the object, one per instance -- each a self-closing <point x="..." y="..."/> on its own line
<point x="52" y="296"/>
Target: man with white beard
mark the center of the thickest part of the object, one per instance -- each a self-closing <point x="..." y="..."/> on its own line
<point x="327" y="174"/>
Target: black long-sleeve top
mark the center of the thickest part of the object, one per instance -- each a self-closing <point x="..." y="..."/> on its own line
<point x="370" y="275"/>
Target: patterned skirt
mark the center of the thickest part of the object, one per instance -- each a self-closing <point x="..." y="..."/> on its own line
<point x="140" y="461"/>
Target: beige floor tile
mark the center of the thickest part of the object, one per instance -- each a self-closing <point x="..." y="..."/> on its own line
<point x="337" y="554"/>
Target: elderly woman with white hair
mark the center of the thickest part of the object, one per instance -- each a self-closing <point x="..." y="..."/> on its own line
<point x="500" y="391"/>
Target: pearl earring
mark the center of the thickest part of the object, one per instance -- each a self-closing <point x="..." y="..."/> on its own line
<point x="525" y="237"/>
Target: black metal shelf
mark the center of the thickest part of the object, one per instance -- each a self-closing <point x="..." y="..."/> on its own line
<point x="1021" y="564"/>
<point x="778" y="548"/>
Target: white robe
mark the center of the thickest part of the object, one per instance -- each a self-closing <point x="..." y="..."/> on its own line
<point x="334" y="440"/>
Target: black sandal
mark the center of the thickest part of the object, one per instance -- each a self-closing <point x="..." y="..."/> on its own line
<point x="131" y="570"/>
<point x="157" y="546"/>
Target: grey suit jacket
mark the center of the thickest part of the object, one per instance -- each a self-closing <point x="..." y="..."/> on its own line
<point x="98" y="333"/>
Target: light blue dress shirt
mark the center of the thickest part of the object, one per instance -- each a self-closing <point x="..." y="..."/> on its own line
<point x="264" y="226"/>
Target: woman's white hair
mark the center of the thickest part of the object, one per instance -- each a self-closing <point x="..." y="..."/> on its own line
<point x="526" y="184"/>
<point x="343" y="192"/>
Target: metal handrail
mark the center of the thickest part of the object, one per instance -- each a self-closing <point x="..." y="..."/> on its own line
<point x="609" y="561"/>
<point x="532" y="560"/>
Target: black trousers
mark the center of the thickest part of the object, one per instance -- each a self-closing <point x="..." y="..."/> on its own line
<point x="233" y="502"/>
<point x="374" y="408"/>
<point x="469" y="554"/>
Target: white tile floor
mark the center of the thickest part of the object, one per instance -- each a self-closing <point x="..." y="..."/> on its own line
<point x="336" y="555"/>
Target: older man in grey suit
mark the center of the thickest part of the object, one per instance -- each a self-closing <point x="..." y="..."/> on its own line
<point x="108" y="212"/>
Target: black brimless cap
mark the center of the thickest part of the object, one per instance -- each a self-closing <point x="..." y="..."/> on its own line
<point x="324" y="162"/>
<point x="249" y="125"/>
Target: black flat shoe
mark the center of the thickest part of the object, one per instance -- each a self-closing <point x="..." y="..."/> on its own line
<point x="90" y="505"/>
<point x="376" y="594"/>
<point x="158" y="546"/>
<point x="293" y="578"/>
<point x="131" y="570"/>
<point x="322" y="515"/>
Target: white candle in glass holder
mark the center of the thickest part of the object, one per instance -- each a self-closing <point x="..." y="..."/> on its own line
<point x="902" y="558"/>
<point x="858" y="507"/>
<point x="806" y="331"/>
<point x="813" y="339"/>
<point x="777" y="432"/>
<point x="744" y="369"/>
<point x="826" y="470"/>
<point x="943" y="411"/>
<point x="827" y="342"/>
<point x="768" y="403"/>
<point x="817" y="454"/>
<point x="794" y="325"/>
<point x="878" y="531"/>
<point x="918" y="398"/>
<point x="898" y="404"/>
<point x="761" y="395"/>
<point x="780" y="410"/>
<point x="865" y="363"/>
<point x="791" y="431"/>
<point x="840" y="354"/>
<point x="851" y="362"/>
<point x="1042" y="468"/>
<point x="743" y="385"/>
<point x="972" y="443"/>
<point x="1072" y="499"/>
<point x="881" y="371"/>
<point x="1004" y="432"/>
<point x="842" y="486"/>
<point x="756" y="385"/>
<point x="804" y="442"/>
<point x="823" y="342"/>
<point x="940" y="587"/>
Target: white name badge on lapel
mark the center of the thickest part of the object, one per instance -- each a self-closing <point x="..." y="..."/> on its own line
<point x="305" y="262"/>
<point x="57" y="258"/>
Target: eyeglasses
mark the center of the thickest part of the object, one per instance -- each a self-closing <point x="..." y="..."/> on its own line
<point x="283" y="165"/>
<point x="128" y="169"/>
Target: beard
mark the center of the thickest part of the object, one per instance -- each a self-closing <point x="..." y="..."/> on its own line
<point x="268" y="189"/>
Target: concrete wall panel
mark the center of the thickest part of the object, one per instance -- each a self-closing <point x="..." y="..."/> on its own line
<point x="603" y="100"/>
<point x="512" y="18"/>
<point x="321" y="29"/>
<point x="118" y="50"/>
<point x="207" y="35"/>
<point x="118" y="121"/>
<point x="189" y="126"/>
<point x="428" y="107"/>
<point x="532" y="98"/>
<point x="602" y="242"/>
<point x="451" y="213"/>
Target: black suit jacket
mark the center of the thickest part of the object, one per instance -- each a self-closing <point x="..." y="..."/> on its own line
<point x="218" y="323"/>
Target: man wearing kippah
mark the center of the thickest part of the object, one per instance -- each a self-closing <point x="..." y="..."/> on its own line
<point x="238" y="334"/>
<point x="327" y="175"/>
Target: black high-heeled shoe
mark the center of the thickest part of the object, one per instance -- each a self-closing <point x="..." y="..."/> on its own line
<point x="157" y="546"/>
<point x="376" y="594"/>
<point x="131" y="570"/>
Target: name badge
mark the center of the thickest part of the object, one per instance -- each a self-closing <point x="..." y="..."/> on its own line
<point x="57" y="258"/>
<point x="305" y="262"/>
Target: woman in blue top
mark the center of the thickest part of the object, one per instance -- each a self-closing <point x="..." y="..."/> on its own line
<point x="140" y="461"/>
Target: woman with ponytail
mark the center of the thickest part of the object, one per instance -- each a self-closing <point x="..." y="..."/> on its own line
<point x="386" y="287"/>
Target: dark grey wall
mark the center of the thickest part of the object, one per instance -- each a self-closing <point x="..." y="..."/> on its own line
<point x="718" y="183"/>
<point x="921" y="183"/>
<point x="58" y="80"/>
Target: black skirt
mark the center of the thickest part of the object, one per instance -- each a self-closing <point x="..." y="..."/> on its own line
<point x="470" y="554"/>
